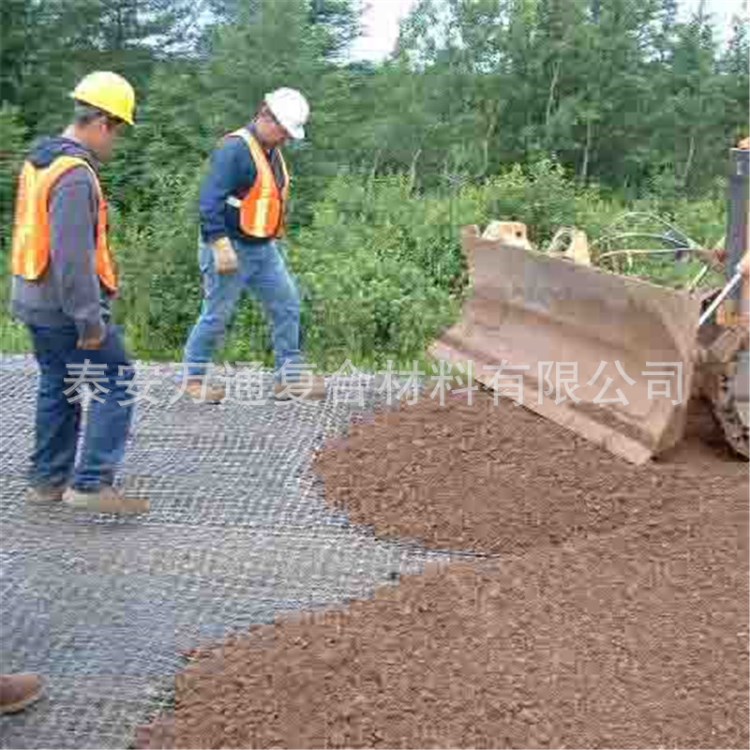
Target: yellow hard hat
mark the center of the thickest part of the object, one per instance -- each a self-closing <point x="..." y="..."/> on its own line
<point x="109" y="92"/>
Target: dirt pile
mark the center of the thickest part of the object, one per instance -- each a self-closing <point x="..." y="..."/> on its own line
<point x="617" y="616"/>
<point x="500" y="479"/>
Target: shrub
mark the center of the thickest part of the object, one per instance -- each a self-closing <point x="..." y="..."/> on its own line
<point x="379" y="266"/>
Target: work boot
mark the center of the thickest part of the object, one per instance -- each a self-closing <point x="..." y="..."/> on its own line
<point x="18" y="691"/>
<point x="44" y="493"/>
<point x="105" y="500"/>
<point x="310" y="389"/>
<point x="207" y="393"/>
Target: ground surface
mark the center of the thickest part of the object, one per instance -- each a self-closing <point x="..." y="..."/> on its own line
<point x="238" y="533"/>
<point x="611" y="612"/>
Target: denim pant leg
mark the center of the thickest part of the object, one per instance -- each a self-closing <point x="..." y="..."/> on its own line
<point x="270" y="281"/>
<point x="57" y="418"/>
<point x="110" y="412"/>
<point x="221" y="293"/>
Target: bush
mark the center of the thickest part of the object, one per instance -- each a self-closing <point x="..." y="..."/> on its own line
<point x="378" y="278"/>
<point x="382" y="270"/>
<point x="379" y="266"/>
<point x="12" y="138"/>
<point x="545" y="199"/>
<point x="157" y="254"/>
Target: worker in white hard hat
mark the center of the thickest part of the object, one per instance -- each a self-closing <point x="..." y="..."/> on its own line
<point x="243" y="203"/>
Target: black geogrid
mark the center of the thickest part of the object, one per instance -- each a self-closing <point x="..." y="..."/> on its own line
<point x="238" y="533"/>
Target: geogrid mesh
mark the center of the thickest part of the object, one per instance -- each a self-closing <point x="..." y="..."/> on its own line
<point x="238" y="532"/>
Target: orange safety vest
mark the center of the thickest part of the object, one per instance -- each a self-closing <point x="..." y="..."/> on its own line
<point x="262" y="209"/>
<point x="31" y="233"/>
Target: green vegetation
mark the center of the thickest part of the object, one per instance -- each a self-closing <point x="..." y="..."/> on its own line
<point x="552" y="113"/>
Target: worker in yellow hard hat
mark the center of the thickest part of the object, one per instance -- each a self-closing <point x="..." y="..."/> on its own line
<point x="64" y="277"/>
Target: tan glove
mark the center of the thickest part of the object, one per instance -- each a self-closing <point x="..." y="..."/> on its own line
<point x="225" y="257"/>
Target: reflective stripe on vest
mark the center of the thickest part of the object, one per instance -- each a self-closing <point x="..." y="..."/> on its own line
<point x="262" y="209"/>
<point x="31" y="232"/>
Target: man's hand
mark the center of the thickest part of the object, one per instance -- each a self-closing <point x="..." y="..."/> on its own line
<point x="225" y="257"/>
<point x="94" y="341"/>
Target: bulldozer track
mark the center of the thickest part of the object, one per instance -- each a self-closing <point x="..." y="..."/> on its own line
<point x="725" y="411"/>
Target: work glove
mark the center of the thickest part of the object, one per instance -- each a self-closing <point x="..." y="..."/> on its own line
<point x="225" y="257"/>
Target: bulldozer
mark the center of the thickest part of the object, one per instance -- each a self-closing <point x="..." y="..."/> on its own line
<point x="612" y="357"/>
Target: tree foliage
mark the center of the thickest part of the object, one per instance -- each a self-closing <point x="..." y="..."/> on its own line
<point x="486" y="108"/>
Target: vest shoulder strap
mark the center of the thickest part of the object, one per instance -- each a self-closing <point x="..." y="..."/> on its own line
<point x="63" y="164"/>
<point x="259" y="154"/>
<point x="243" y="133"/>
<point x="284" y="170"/>
<point x="252" y="143"/>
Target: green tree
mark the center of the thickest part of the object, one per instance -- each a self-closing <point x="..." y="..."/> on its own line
<point x="48" y="45"/>
<point x="12" y="138"/>
<point x="733" y="67"/>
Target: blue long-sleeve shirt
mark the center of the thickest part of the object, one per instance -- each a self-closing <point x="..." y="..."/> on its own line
<point x="232" y="172"/>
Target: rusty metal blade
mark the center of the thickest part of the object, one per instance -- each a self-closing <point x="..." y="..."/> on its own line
<point x="542" y="318"/>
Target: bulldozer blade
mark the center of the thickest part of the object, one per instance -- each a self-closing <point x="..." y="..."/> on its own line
<point x="606" y="356"/>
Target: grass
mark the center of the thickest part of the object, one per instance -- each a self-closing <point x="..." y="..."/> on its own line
<point x="14" y="338"/>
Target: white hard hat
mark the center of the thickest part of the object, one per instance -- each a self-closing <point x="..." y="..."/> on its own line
<point x="291" y="109"/>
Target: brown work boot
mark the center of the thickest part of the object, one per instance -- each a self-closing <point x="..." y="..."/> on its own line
<point x="18" y="691"/>
<point x="44" y="493"/>
<point x="198" y="390"/>
<point x="307" y="389"/>
<point x="105" y="500"/>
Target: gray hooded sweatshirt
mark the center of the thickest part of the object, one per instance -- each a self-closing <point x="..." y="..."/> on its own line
<point x="69" y="292"/>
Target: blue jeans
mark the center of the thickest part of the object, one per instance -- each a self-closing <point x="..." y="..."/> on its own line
<point x="58" y="414"/>
<point x="263" y="272"/>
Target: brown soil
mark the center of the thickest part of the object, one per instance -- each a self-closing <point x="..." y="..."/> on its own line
<point x="500" y="479"/>
<point x="616" y="615"/>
